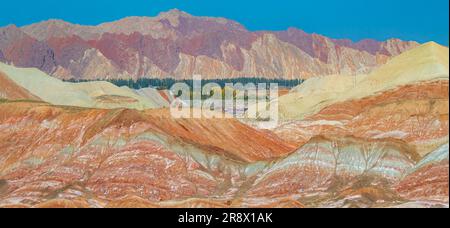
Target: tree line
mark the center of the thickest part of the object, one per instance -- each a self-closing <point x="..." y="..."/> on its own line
<point x="167" y="83"/>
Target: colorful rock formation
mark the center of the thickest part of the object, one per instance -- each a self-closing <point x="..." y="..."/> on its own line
<point x="68" y="152"/>
<point x="377" y="139"/>
<point x="176" y="44"/>
<point x="428" y="181"/>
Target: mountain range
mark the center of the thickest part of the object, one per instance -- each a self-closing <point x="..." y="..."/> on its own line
<point x="372" y="140"/>
<point x="177" y="45"/>
<point x="368" y="127"/>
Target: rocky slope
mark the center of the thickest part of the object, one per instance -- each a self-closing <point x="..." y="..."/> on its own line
<point x="324" y="161"/>
<point x="426" y="63"/>
<point x="406" y="99"/>
<point x="429" y="180"/>
<point x="11" y="91"/>
<point x="79" y="157"/>
<point x="176" y="44"/>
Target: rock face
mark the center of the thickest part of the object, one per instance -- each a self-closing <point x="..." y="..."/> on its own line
<point x="344" y="55"/>
<point x="406" y="100"/>
<point x="23" y="50"/>
<point x="176" y="44"/>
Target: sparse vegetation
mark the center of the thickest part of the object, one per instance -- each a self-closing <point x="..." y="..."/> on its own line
<point x="169" y="82"/>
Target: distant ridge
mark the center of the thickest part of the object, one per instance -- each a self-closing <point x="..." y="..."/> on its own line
<point x="178" y="45"/>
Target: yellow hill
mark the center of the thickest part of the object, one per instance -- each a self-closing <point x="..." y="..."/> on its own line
<point x="89" y="94"/>
<point x="427" y="62"/>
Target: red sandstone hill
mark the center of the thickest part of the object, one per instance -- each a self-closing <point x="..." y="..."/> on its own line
<point x="213" y="135"/>
<point x="62" y="152"/>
